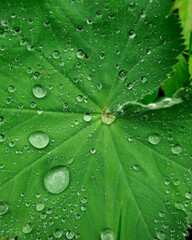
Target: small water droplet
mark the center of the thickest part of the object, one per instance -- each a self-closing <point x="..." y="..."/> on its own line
<point x="57" y="179"/>
<point x="56" y="54"/>
<point x="87" y="117"/>
<point x="80" y="54"/>
<point x="3" y="208"/>
<point x="1" y="119"/>
<point x="176" y="149"/>
<point x="188" y="195"/>
<point x="39" y="139"/>
<point x="143" y="79"/>
<point x="79" y="98"/>
<point x="2" y="138"/>
<point x="39" y="91"/>
<point x="70" y="235"/>
<point x="136" y="167"/>
<point x="154" y="138"/>
<point x="58" y="233"/>
<point x="132" y="34"/>
<point x="160" y="236"/>
<point x="11" y="88"/>
<point x="107" y="234"/>
<point x="40" y="206"/>
<point x="27" y="228"/>
<point x="122" y="75"/>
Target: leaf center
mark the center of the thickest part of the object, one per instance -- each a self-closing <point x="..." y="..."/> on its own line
<point x="107" y="117"/>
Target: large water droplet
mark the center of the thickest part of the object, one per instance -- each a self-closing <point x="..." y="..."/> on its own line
<point x="58" y="233"/>
<point x="57" y="179"/>
<point x="39" y="91"/>
<point x="27" y="228"/>
<point x="176" y="149"/>
<point x="3" y="208"/>
<point x="39" y="139"/>
<point x="154" y="138"/>
<point x="107" y="234"/>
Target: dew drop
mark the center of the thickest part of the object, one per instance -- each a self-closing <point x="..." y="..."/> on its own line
<point x="56" y="54"/>
<point x="154" y="138"/>
<point x="80" y="54"/>
<point x="39" y="91"/>
<point x="160" y="236"/>
<point x="11" y="88"/>
<point x="58" y="233"/>
<point x="136" y="167"/>
<point x="40" y="206"/>
<point x="39" y="139"/>
<point x="176" y="149"/>
<point x="2" y="138"/>
<point x="1" y="119"/>
<point x="122" y="75"/>
<point x="70" y="235"/>
<point x="107" y="234"/>
<point x="57" y="179"/>
<point x="79" y="98"/>
<point x="87" y="118"/>
<point x="188" y="195"/>
<point x="132" y="34"/>
<point x="27" y="228"/>
<point x="3" y="208"/>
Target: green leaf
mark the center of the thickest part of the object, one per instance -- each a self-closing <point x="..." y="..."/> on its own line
<point x="71" y="165"/>
<point x="178" y="79"/>
<point x="185" y="9"/>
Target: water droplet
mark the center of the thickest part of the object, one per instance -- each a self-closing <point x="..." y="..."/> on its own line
<point x="131" y="6"/>
<point x="40" y="206"/>
<point x="122" y="75"/>
<point x="70" y="235"/>
<point x="39" y="139"/>
<point x="176" y="149"/>
<point x="132" y="34"/>
<point x="154" y="138"/>
<point x="79" y="98"/>
<point x="27" y="228"/>
<point x="136" y="167"/>
<point x="143" y="79"/>
<point x="39" y="91"/>
<point x="58" y="233"/>
<point x="188" y="195"/>
<point x="3" y="208"/>
<point x="57" y="179"/>
<point x="160" y="236"/>
<point x="56" y="54"/>
<point x="2" y="137"/>
<point x="107" y="234"/>
<point x="87" y="117"/>
<point x="80" y="54"/>
<point x="1" y="166"/>
<point x="11" y="88"/>
<point x="1" y="119"/>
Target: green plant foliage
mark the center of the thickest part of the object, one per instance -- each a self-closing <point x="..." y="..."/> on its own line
<point x="80" y="156"/>
<point x="185" y="10"/>
<point x="178" y="79"/>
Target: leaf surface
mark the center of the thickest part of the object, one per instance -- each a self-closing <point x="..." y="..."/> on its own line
<point x="64" y="62"/>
